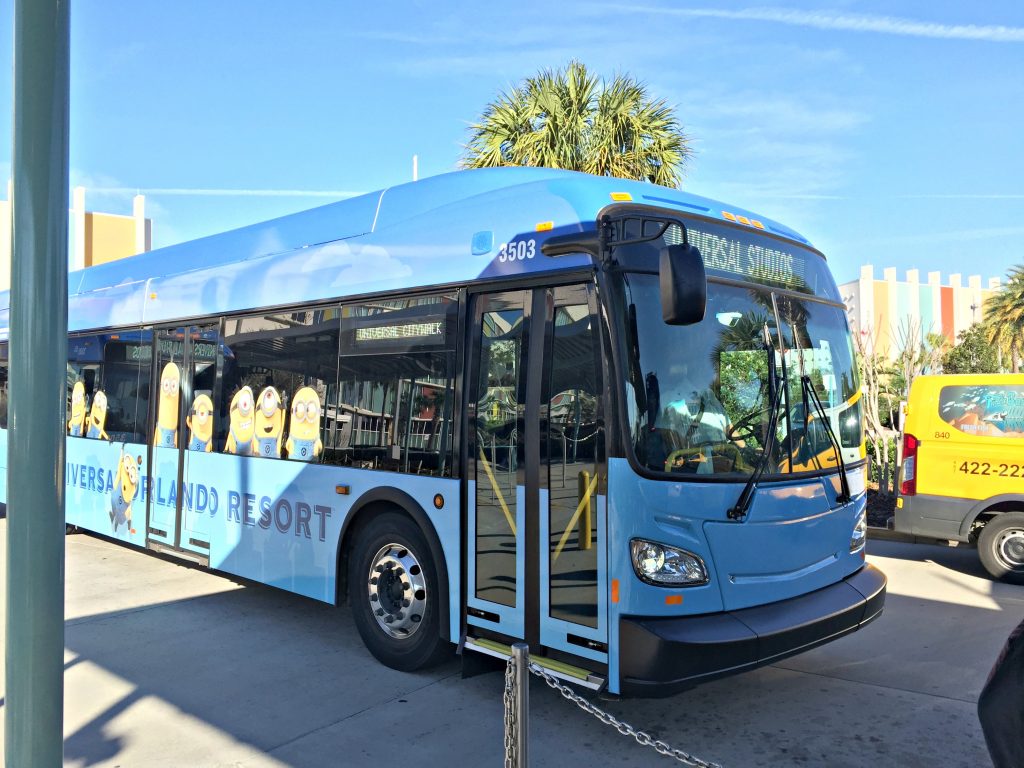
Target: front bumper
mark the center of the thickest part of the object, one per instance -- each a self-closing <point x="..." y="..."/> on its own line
<point x="662" y="656"/>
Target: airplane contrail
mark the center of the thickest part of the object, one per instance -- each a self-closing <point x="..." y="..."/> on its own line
<point x="850" y="22"/>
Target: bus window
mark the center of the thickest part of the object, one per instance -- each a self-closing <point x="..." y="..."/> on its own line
<point x="816" y="339"/>
<point x="204" y="377"/>
<point x="124" y="379"/>
<point x="276" y="356"/>
<point x="3" y="386"/>
<point x="108" y="386"/>
<point x="703" y="413"/>
<point x="84" y="358"/>
<point x="498" y="452"/>
<point x="396" y="386"/>
<point x="170" y="351"/>
<point x="573" y="453"/>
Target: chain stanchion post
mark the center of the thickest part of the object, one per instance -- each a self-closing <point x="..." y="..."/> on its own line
<point x="521" y="656"/>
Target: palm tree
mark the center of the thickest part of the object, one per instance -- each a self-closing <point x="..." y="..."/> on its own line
<point x="572" y="119"/>
<point x="1005" y="318"/>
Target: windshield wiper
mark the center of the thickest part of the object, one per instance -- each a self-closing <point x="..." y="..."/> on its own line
<point x="775" y="397"/>
<point x="808" y="389"/>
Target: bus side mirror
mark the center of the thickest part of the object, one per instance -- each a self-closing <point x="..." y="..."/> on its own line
<point x="684" y="285"/>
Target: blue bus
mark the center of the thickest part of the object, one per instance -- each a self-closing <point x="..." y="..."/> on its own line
<point x="616" y="421"/>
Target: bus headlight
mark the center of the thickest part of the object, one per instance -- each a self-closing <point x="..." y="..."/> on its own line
<point x="860" y="533"/>
<point x="664" y="565"/>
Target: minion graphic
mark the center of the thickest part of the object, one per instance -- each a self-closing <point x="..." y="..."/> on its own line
<point x="200" y="421"/>
<point x="98" y="417"/>
<point x="240" y="432"/>
<point x="304" y="436"/>
<point x="166" y="433"/>
<point x="76" y="424"/>
<point x="269" y="424"/>
<point x="125" y="485"/>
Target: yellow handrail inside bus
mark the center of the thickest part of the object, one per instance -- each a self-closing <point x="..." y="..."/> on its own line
<point x="497" y="492"/>
<point x="584" y="502"/>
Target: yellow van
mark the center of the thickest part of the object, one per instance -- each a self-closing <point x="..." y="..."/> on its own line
<point x="963" y="466"/>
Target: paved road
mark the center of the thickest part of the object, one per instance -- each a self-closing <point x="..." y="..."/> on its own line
<point x="172" y="666"/>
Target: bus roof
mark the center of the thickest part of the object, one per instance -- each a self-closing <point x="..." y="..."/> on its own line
<point x="445" y="229"/>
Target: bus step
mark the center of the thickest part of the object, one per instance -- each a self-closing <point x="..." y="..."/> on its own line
<point x="181" y="554"/>
<point x="558" y="669"/>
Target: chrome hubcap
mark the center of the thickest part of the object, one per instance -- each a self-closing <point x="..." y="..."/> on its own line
<point x="1011" y="547"/>
<point x="397" y="590"/>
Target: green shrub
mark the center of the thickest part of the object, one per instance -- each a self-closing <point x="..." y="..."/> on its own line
<point x="875" y="474"/>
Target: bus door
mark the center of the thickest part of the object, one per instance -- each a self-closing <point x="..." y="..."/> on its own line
<point x="535" y="468"/>
<point x="187" y="372"/>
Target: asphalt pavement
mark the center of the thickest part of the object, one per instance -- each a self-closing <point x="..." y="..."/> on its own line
<point x="169" y="665"/>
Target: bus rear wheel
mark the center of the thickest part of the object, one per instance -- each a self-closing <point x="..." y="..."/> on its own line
<point x="1001" y="547"/>
<point x="393" y="589"/>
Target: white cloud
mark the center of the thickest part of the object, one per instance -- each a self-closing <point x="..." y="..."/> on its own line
<point x="960" y="236"/>
<point x="764" y="147"/>
<point x="782" y="113"/>
<point x="847" y="22"/>
<point x="493" y="47"/>
<point x="959" y="196"/>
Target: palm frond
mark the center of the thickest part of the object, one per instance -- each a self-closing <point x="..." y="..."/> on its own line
<point x="570" y="118"/>
<point x="1004" y="317"/>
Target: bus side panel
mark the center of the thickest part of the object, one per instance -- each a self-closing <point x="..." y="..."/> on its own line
<point x="279" y="522"/>
<point x="276" y="522"/>
<point x="103" y="488"/>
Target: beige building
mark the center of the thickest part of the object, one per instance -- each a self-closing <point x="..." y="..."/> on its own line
<point x="93" y="237"/>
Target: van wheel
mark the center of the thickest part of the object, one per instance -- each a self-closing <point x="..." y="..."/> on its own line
<point x="1001" y="547"/>
<point x="393" y="591"/>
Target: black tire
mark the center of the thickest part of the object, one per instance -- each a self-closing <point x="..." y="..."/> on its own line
<point x="397" y="545"/>
<point x="1001" y="547"/>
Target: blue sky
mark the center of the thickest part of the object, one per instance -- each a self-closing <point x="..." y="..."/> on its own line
<point x="887" y="132"/>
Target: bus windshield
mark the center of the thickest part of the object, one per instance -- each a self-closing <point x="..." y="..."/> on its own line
<point x="698" y="396"/>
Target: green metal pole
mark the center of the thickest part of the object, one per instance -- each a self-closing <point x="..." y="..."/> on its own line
<point x="33" y="710"/>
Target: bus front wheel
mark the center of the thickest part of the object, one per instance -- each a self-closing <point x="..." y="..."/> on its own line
<point x="1001" y="547"/>
<point x="393" y="591"/>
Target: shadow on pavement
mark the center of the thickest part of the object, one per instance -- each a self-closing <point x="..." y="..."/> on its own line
<point x="257" y="664"/>
<point x="290" y="677"/>
<point x="93" y="743"/>
<point x="962" y="558"/>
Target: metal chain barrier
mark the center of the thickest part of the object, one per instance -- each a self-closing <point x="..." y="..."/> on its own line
<point x="642" y="738"/>
<point x="509" y="698"/>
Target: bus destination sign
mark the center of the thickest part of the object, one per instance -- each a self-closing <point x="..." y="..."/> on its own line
<point x="759" y="259"/>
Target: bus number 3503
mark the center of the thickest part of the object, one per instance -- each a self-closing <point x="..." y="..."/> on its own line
<point x="518" y="250"/>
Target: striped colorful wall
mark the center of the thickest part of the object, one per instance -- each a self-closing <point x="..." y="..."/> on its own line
<point x="884" y="310"/>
